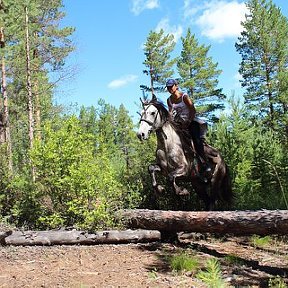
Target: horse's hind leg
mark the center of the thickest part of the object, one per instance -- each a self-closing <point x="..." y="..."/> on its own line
<point x="153" y="169"/>
<point x="202" y="190"/>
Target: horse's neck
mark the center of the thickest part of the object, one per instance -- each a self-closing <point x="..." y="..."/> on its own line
<point x="168" y="137"/>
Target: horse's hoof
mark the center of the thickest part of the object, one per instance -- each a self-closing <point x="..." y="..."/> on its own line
<point x="159" y="189"/>
<point x="183" y="192"/>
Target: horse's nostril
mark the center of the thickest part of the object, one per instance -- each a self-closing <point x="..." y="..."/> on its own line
<point x="140" y="135"/>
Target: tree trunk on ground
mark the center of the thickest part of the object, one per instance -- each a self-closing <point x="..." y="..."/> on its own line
<point x="3" y="235"/>
<point x="262" y="222"/>
<point x="62" y="237"/>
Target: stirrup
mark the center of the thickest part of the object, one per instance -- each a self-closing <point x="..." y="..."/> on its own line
<point x="207" y="168"/>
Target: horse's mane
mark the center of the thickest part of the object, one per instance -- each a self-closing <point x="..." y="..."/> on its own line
<point x="160" y="106"/>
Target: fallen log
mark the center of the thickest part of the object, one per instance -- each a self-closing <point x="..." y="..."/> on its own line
<point x="3" y="235"/>
<point x="62" y="237"/>
<point x="261" y="222"/>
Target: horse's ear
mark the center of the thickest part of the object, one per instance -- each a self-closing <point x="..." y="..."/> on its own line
<point x="143" y="102"/>
<point x="154" y="98"/>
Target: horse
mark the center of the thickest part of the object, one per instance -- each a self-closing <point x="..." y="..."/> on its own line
<point x="177" y="160"/>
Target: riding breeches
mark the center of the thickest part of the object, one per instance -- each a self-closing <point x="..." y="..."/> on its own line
<point x="194" y="129"/>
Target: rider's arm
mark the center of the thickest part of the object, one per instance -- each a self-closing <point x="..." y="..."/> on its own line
<point x="169" y="109"/>
<point x="190" y="105"/>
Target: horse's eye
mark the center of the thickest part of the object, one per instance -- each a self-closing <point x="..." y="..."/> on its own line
<point x="153" y="113"/>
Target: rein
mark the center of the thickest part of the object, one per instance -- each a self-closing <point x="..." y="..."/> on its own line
<point x="152" y="124"/>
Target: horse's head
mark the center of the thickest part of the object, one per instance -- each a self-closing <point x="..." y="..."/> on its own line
<point x="153" y="116"/>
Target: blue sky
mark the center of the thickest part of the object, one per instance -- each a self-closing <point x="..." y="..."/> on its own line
<point x="108" y="61"/>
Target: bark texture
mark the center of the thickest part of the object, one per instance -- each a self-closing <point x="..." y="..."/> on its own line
<point x="62" y="237"/>
<point x="262" y="222"/>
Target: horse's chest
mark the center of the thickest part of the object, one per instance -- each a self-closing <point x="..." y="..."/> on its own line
<point x="170" y="159"/>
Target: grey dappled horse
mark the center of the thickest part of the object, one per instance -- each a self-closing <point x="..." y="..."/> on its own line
<point x="176" y="159"/>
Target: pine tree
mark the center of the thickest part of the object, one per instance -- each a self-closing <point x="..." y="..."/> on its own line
<point x="255" y="162"/>
<point x="35" y="46"/>
<point x="5" y="135"/>
<point x="157" y="50"/>
<point x="198" y="72"/>
<point x="263" y="47"/>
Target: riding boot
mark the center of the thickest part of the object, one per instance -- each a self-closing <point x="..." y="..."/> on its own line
<point x="199" y="147"/>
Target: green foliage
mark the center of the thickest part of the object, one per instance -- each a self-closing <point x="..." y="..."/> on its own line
<point x="199" y="74"/>
<point x="184" y="262"/>
<point x="74" y="175"/>
<point x="85" y="170"/>
<point x="247" y="147"/>
<point x="88" y="167"/>
<point x="277" y="282"/>
<point x="157" y="49"/>
<point x="263" y="48"/>
<point x="6" y="199"/>
<point x="261" y="242"/>
<point x="127" y="155"/>
<point x="212" y="276"/>
<point x="153" y="274"/>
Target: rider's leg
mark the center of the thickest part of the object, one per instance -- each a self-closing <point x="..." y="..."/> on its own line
<point x="199" y="146"/>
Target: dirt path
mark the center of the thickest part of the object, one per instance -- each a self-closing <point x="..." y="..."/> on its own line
<point x="140" y="265"/>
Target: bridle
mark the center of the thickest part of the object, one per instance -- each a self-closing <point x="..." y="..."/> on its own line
<point x="152" y="124"/>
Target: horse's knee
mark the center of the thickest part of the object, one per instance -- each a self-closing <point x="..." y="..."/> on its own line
<point x="152" y="168"/>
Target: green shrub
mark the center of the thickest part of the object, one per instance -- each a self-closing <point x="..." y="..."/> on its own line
<point x="212" y="275"/>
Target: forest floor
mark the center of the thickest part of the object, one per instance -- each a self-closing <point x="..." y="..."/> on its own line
<point x="243" y="262"/>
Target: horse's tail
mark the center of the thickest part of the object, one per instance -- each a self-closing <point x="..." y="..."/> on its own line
<point x="226" y="187"/>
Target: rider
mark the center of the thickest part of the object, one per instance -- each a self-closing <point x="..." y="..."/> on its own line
<point x="183" y="112"/>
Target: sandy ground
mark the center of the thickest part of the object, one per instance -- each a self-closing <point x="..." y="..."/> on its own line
<point x="140" y="265"/>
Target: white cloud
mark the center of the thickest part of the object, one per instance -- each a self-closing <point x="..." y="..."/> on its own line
<point x="139" y="6"/>
<point x="221" y="19"/>
<point x="190" y="8"/>
<point x="122" y="81"/>
<point x="175" y="30"/>
<point x="237" y="78"/>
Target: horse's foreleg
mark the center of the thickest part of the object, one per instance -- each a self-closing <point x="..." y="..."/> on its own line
<point x="152" y="170"/>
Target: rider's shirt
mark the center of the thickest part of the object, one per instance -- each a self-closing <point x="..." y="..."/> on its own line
<point x="181" y="115"/>
<point x="181" y="112"/>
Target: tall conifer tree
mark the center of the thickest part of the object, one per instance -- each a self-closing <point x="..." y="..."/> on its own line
<point x="263" y="47"/>
<point x="198" y="72"/>
<point x="36" y="27"/>
<point x="157" y="50"/>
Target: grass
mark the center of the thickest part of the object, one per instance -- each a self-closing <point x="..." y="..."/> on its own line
<point x="261" y="242"/>
<point x="153" y="274"/>
<point x="184" y="263"/>
<point x="277" y="282"/>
